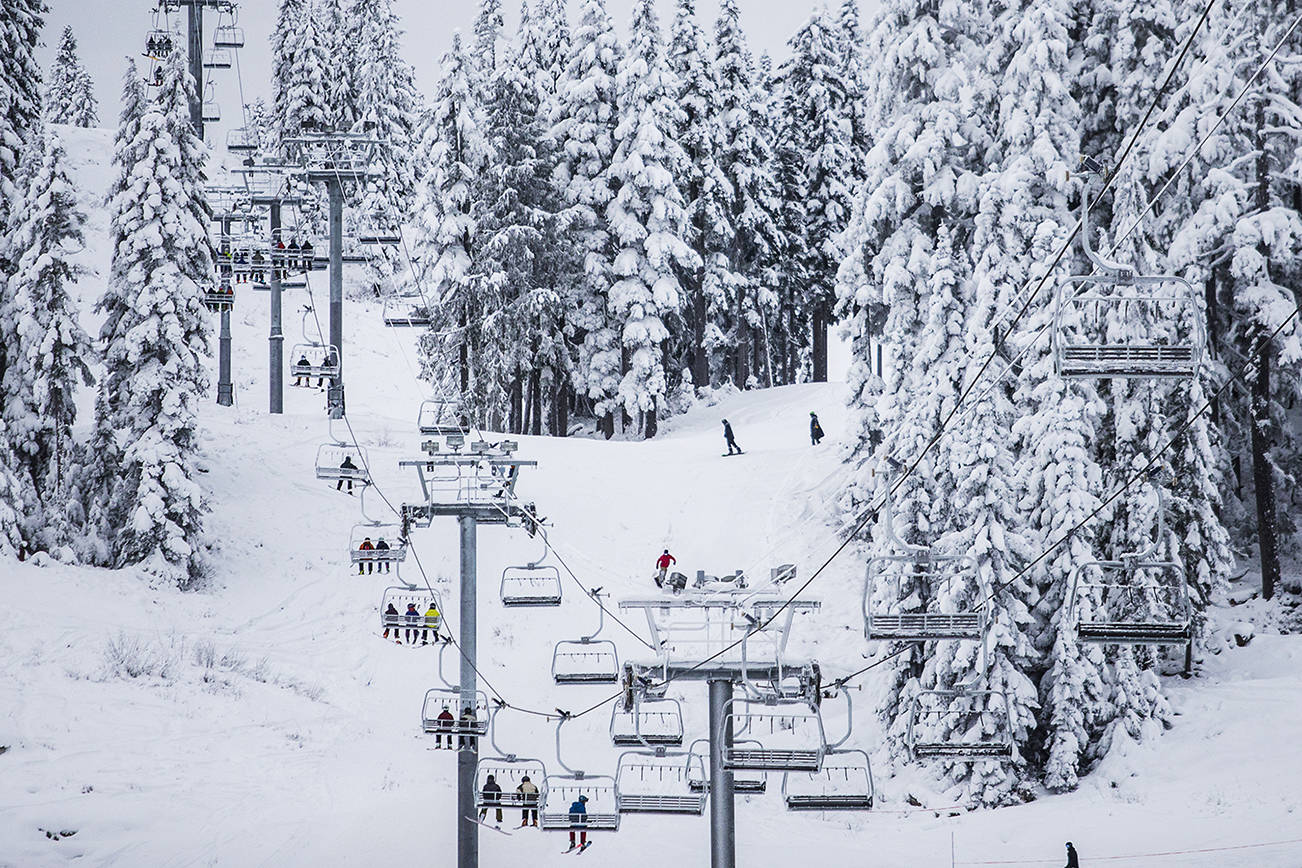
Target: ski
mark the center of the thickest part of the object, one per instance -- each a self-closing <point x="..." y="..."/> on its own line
<point x="585" y="846"/>
<point x="486" y="825"/>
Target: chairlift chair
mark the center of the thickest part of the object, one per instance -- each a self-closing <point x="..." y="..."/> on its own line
<point x="652" y="722"/>
<point x="241" y="141"/>
<point x="391" y="534"/>
<point x="405" y="312"/>
<point x="744" y="782"/>
<point x="987" y="739"/>
<point x="330" y="457"/>
<point x="323" y="361"/>
<point x="376" y="237"/>
<point x="508" y="773"/>
<point x="218" y="58"/>
<point x="789" y="735"/>
<point x="228" y="36"/>
<point x="660" y="782"/>
<point x="218" y="297"/>
<point x="439" y="698"/>
<point x="210" y="111"/>
<point x="1165" y="305"/>
<point x="560" y="790"/>
<point x="399" y="596"/>
<point x="159" y="44"/>
<point x="440" y="416"/>
<point x="587" y="660"/>
<point x="844" y="783"/>
<point x="925" y="569"/>
<point x="531" y="585"/>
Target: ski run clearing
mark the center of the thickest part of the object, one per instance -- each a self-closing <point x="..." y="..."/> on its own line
<point x="264" y="722"/>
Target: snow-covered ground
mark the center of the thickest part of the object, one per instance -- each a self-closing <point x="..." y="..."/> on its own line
<point x="273" y="726"/>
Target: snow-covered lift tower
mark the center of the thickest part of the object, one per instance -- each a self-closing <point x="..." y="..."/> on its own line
<point x="475" y="484"/>
<point x="195" y="49"/>
<point x="724" y="639"/>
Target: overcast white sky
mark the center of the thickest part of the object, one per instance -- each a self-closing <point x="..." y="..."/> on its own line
<point x="108" y="30"/>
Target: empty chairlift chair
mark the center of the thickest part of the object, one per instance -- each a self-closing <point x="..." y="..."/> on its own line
<point x="377" y="236"/>
<point x="218" y="58"/>
<point x="587" y="660"/>
<point x="652" y="722"/>
<point x="787" y="736"/>
<point x="937" y="581"/>
<point x="660" y="782"/>
<point x="531" y="585"/>
<point x="960" y="726"/>
<point x="241" y="141"/>
<point x="406" y="312"/>
<point x="440" y="416"/>
<point x="228" y="36"/>
<point x="744" y="782"/>
<point x="1119" y="324"/>
<point x="342" y="463"/>
<point x="844" y="783"/>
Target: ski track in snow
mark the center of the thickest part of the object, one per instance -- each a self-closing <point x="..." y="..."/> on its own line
<point x="308" y="752"/>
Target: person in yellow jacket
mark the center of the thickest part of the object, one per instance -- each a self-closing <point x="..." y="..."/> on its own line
<point x="432" y="621"/>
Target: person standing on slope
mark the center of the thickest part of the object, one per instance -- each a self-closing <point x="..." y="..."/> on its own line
<point x="732" y="441"/>
<point x="663" y="563"/>
<point x="1072" y="860"/>
<point x="815" y="430"/>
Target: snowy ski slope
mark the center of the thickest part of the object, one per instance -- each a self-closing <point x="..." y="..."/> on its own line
<point x="275" y="727"/>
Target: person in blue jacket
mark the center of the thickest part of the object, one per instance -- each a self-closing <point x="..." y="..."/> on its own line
<point x="579" y="820"/>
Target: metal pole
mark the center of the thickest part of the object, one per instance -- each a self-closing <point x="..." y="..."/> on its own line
<point x="225" y="392"/>
<point x="194" y="20"/>
<point x="276" y="371"/>
<point x="723" y="819"/>
<point x="336" y="191"/>
<point x="467" y="828"/>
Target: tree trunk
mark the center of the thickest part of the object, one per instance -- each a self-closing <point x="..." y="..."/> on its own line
<point x="1263" y="476"/>
<point x="624" y="419"/>
<point x="515" y="424"/>
<point x="652" y="422"/>
<point x="535" y="402"/>
<point x="563" y="410"/>
<point x="700" y="359"/>
<point x="741" y="355"/>
<point x="819" y="346"/>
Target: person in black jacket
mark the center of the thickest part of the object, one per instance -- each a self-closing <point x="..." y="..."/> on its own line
<point x="732" y="441"/>
<point x="492" y="795"/>
<point x="815" y="430"/>
<point x="1072" y="860"/>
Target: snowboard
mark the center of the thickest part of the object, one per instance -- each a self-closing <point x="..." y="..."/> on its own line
<point x="730" y="454"/>
<point x="486" y="825"/>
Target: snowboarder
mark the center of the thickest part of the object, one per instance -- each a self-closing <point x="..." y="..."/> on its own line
<point x="347" y="464"/>
<point x="432" y="621"/>
<point x="366" y="546"/>
<point x="412" y="617"/>
<point x="662" y="566"/>
<point x="732" y="441"/>
<point x="467" y="737"/>
<point x="492" y="795"/>
<point x="579" y="820"/>
<point x="528" y="791"/>
<point x="391" y="618"/>
<point x="1072" y="860"/>
<point x="382" y="546"/>
<point x="445" y="724"/>
<point x="815" y="430"/>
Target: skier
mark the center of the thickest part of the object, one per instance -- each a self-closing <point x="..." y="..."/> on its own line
<point x="391" y="618"/>
<point x="432" y="620"/>
<point x="528" y="791"/>
<point x="815" y="430"/>
<point x="579" y="820"/>
<point x="467" y="737"/>
<point x="347" y="464"/>
<point x="412" y="617"/>
<point x="662" y="565"/>
<point x="301" y="370"/>
<point x="366" y="546"/>
<point x="492" y="795"/>
<point x="732" y="441"/>
<point x="1072" y="860"/>
<point x="382" y="546"/>
<point x="256" y="261"/>
<point x="331" y="361"/>
<point x="445" y="724"/>
<point x="306" y="255"/>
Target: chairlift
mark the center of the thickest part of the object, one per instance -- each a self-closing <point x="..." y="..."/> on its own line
<point x="377" y="237"/>
<point x="653" y="722"/>
<point x="533" y="584"/>
<point x="937" y="579"/>
<point x="322" y="361"/>
<point x="218" y="297"/>
<point x="394" y="550"/>
<point x="560" y="790"/>
<point x="218" y="58"/>
<point x="398" y="598"/>
<point x="508" y="771"/>
<point x="587" y="660"/>
<point x="210" y="112"/>
<point x="1135" y="600"/>
<point x="228" y="36"/>
<point x="744" y="782"/>
<point x="440" y="416"/>
<point x="985" y="718"/>
<point x="241" y="141"/>
<point x="406" y="312"/>
<point x="441" y="699"/>
<point x="342" y="462"/>
<point x="660" y="782"/>
<point x="159" y="44"/>
<point x="789" y="735"/>
<point x="1089" y="339"/>
<point x="844" y="783"/>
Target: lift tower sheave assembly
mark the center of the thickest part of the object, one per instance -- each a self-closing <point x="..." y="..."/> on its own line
<point x="475" y="485"/>
<point x="729" y="639"/>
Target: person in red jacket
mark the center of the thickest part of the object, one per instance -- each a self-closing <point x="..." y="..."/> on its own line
<point x="663" y="563"/>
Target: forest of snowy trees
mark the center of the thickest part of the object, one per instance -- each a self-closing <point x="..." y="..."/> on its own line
<point x="608" y="223"/>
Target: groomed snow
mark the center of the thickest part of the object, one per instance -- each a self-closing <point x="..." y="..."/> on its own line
<point x="300" y="743"/>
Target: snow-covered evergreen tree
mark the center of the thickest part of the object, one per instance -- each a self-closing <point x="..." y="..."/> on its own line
<point x="488" y="32"/>
<point x="647" y="218"/>
<point x="854" y="70"/>
<point x="20" y="93"/>
<point x="300" y="76"/>
<point x="49" y="353"/>
<point x="554" y="29"/>
<point x="337" y="35"/>
<point x="70" y="97"/>
<point x="156" y="336"/>
<point x="584" y="127"/>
